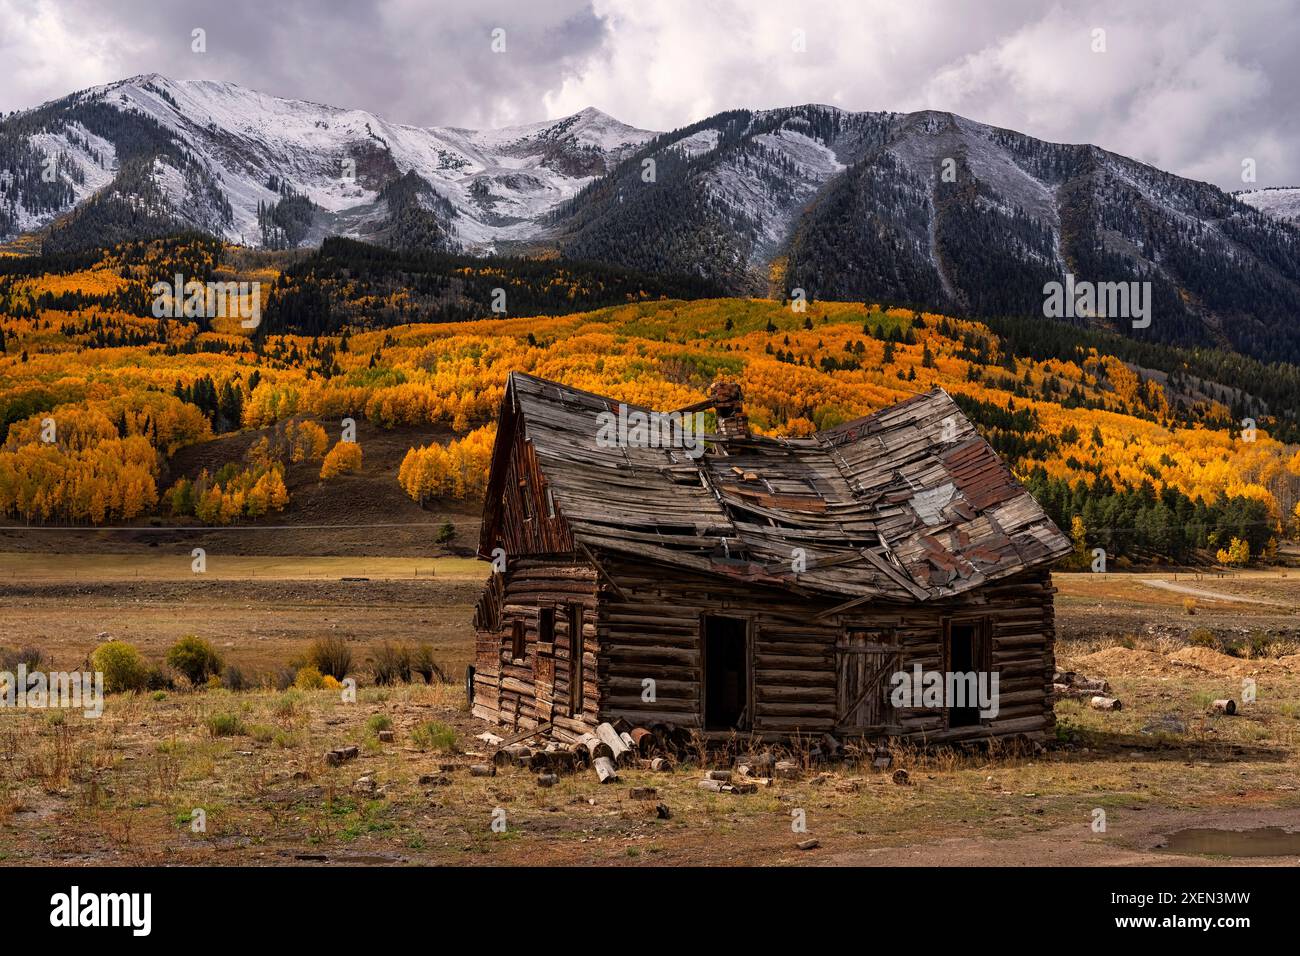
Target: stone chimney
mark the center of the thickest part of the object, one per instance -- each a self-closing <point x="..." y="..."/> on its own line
<point x="728" y="402"/>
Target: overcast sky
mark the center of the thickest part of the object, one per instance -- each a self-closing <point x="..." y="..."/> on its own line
<point x="1192" y="86"/>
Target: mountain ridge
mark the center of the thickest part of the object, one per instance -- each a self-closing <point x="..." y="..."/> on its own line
<point x="927" y="208"/>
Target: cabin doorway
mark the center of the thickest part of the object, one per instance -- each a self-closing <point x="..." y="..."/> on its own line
<point x="968" y="652"/>
<point x="726" y="673"/>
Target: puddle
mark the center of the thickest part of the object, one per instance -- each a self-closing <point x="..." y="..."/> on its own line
<point x="1266" y="841"/>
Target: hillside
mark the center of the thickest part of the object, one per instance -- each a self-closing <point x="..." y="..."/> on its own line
<point x="932" y="210"/>
<point x="196" y="421"/>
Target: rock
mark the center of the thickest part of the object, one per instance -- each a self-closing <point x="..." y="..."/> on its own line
<point x="662" y="812"/>
<point x="365" y="785"/>
<point x="808" y="844"/>
<point x="386" y="736"/>
<point x="902" y="777"/>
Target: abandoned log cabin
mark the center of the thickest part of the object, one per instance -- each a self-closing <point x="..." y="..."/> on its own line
<point x="768" y="586"/>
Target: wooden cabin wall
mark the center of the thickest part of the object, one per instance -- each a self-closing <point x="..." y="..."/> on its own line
<point x="649" y="626"/>
<point x="520" y="694"/>
<point x="526" y="525"/>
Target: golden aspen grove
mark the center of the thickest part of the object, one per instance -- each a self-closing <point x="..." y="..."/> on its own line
<point x="98" y="399"/>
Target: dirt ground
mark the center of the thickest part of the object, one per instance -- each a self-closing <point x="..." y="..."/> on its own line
<point x="124" y="788"/>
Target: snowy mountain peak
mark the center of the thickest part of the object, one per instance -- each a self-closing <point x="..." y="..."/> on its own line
<point x="232" y="153"/>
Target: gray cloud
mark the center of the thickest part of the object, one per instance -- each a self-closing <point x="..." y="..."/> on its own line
<point x="1194" y="86"/>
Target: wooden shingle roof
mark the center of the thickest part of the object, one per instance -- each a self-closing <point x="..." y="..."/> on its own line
<point x="907" y="504"/>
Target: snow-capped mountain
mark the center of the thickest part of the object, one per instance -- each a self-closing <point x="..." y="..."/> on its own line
<point x="925" y="208"/>
<point x="234" y="151"/>
<point x="1281" y="202"/>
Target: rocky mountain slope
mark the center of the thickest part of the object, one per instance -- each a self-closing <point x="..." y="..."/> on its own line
<point x="925" y="208"/>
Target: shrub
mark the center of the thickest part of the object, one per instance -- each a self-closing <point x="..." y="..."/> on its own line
<point x="308" y="678"/>
<point x="281" y="678"/>
<point x="224" y="725"/>
<point x="262" y="733"/>
<point x="232" y="678"/>
<point x="330" y="655"/>
<point x="121" y="665"/>
<point x="1203" y="637"/>
<point x="392" y="663"/>
<point x="329" y="683"/>
<point x="1189" y="605"/>
<point x="32" y="657"/>
<point x="195" y="659"/>
<point x="379" y="722"/>
<point x="287" y="704"/>
<point x="446" y="531"/>
<point x="422" y="663"/>
<point x="343" y="459"/>
<point x="432" y="735"/>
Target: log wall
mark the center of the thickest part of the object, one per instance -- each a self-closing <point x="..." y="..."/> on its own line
<point x="649" y="625"/>
<point x="521" y="693"/>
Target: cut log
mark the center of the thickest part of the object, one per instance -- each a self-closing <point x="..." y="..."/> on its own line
<point x="482" y="770"/>
<point x="661" y="765"/>
<point x="1228" y="707"/>
<point x="645" y="741"/>
<point x="489" y="738"/>
<point x="547" y="779"/>
<point x="605" y="769"/>
<point x="619" y="751"/>
<point x="595" y="747"/>
<point x="1105" y="703"/>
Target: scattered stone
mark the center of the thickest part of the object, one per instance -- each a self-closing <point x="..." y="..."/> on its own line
<point x="808" y="844"/>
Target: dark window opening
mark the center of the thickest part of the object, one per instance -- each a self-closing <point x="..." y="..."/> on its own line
<point x="517" y="640"/>
<point x="575" y="660"/>
<point x="524" y="501"/>
<point x="550" y="503"/>
<point x="967" y="652"/>
<point x="726" y="673"/>
<point x="546" y="625"/>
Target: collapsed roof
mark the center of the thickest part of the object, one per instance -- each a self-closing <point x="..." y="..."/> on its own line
<point x="906" y="504"/>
